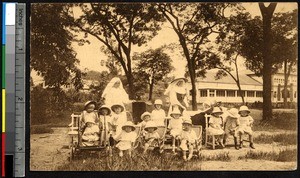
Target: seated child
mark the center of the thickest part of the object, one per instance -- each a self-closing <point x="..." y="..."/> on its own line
<point x="158" y="114"/>
<point x="126" y="138"/>
<point x="245" y="124"/>
<point x="90" y="135"/>
<point x="175" y="126"/>
<point x="215" y="125"/>
<point x="88" y="113"/>
<point x="105" y="120"/>
<point x="150" y="135"/>
<point x="145" y="117"/>
<point x="231" y="125"/>
<point x="118" y="119"/>
<point x="188" y="139"/>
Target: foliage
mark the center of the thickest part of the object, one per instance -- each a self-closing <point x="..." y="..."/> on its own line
<point x="52" y="55"/>
<point x="194" y="23"/>
<point x="152" y="66"/>
<point x="47" y="105"/>
<point x="284" y="43"/>
<point x="118" y="26"/>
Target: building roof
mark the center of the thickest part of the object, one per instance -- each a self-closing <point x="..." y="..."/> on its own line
<point x="244" y="79"/>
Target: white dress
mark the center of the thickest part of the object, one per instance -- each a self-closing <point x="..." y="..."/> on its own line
<point x="158" y="117"/>
<point x="118" y="120"/>
<point x="125" y="140"/>
<point x="176" y="126"/>
<point x="217" y="122"/>
<point x="90" y="135"/>
<point x="244" y="125"/>
<point x="187" y="138"/>
<point x="107" y="124"/>
<point x="89" y="117"/>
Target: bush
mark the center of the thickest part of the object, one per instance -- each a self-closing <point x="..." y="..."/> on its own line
<point x="40" y="129"/>
<point x="217" y="157"/>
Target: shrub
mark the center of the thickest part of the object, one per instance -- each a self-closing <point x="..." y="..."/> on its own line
<point x="217" y="157"/>
<point x="40" y="129"/>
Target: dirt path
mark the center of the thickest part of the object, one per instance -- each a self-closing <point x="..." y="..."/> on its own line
<point x="48" y="151"/>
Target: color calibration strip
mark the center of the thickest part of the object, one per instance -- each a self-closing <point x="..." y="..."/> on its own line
<point x="3" y="91"/>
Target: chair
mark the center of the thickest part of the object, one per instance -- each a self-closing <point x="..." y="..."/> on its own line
<point x="138" y="131"/>
<point x="198" y="130"/>
<point x="74" y="127"/>
<point x="208" y="136"/>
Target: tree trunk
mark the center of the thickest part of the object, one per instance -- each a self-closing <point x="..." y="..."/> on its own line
<point x="130" y="85"/>
<point x="240" y="90"/>
<point x="267" y="14"/>
<point x="285" y="92"/>
<point x="194" y="93"/>
<point x="151" y="90"/>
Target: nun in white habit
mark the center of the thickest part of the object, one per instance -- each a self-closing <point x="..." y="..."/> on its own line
<point x="177" y="93"/>
<point x="115" y="93"/>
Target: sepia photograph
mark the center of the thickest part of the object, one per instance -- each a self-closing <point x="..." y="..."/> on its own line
<point x="163" y="86"/>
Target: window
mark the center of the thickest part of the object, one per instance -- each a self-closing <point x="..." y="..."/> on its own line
<point x="241" y="93"/>
<point x="275" y="94"/>
<point x="259" y="94"/>
<point x="230" y="93"/>
<point x="203" y="93"/>
<point x="221" y="93"/>
<point x="295" y="94"/>
<point x="250" y="93"/>
<point x="211" y="93"/>
<point x="190" y="92"/>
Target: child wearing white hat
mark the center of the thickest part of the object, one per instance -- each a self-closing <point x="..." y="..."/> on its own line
<point x="188" y="139"/>
<point x="105" y="120"/>
<point x="245" y="124"/>
<point x="150" y="135"/>
<point x="216" y="125"/>
<point x="231" y="125"/>
<point x="175" y="126"/>
<point x="158" y="114"/>
<point x="88" y="114"/>
<point x="118" y="118"/>
<point x="145" y="117"/>
<point x="126" y="138"/>
<point x="90" y="135"/>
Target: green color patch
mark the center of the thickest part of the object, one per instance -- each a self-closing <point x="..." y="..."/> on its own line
<point x="3" y="66"/>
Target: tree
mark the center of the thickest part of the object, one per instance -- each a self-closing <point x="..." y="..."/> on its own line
<point x="51" y="54"/>
<point x="285" y="27"/>
<point x="152" y="66"/>
<point x="118" y="26"/>
<point x="267" y="14"/>
<point x="194" y="23"/>
<point x="229" y="50"/>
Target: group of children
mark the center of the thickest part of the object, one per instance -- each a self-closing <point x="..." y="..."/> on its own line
<point x="236" y="123"/>
<point x="112" y="122"/>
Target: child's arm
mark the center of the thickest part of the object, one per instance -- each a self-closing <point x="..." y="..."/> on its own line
<point x="251" y="120"/>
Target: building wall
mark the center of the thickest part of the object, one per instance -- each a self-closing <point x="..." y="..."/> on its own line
<point x="278" y="87"/>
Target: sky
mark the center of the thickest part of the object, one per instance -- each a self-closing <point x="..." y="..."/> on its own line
<point x="90" y="55"/>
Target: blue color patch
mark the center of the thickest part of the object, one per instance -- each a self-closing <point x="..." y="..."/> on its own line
<point x="3" y="23"/>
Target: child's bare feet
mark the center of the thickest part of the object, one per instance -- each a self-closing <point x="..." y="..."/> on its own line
<point x="190" y="156"/>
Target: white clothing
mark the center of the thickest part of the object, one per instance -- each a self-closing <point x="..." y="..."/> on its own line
<point x="158" y="117"/>
<point x="125" y="140"/>
<point x="115" y="95"/>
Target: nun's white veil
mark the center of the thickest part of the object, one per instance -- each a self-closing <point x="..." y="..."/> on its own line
<point x="115" y="94"/>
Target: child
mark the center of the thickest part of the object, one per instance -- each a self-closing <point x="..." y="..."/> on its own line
<point x="105" y="119"/>
<point x="118" y="119"/>
<point x="188" y="139"/>
<point x="150" y="135"/>
<point x="215" y="125"/>
<point x="145" y="117"/>
<point x="231" y="125"/>
<point x="88" y="114"/>
<point x="126" y="138"/>
<point x="90" y="135"/>
<point x="158" y="114"/>
<point x="245" y="124"/>
<point x="175" y="126"/>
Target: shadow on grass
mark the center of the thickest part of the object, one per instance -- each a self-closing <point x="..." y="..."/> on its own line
<point x="282" y="139"/>
<point x="284" y="155"/>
